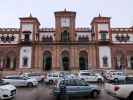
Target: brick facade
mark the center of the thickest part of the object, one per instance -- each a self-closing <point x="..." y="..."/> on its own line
<point x="66" y="47"/>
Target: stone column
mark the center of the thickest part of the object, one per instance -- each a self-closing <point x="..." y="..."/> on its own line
<point x="54" y="59"/>
<point x="0" y="62"/>
<point x="94" y="57"/>
<point x="76" y="59"/>
<point x="57" y="59"/>
<point x="72" y="58"/>
<point x="88" y="65"/>
<point x="90" y="57"/>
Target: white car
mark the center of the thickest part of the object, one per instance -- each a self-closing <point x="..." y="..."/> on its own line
<point x="122" y="89"/>
<point x="38" y="76"/>
<point x="21" y="81"/>
<point x="7" y="91"/>
<point x="116" y="75"/>
<point x="90" y="76"/>
<point x="52" y="77"/>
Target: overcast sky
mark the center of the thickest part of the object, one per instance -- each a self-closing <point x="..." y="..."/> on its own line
<point x="120" y="11"/>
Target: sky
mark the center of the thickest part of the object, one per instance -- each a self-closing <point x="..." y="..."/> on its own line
<point x="120" y="11"/>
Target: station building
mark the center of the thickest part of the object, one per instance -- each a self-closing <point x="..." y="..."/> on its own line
<point x="66" y="47"/>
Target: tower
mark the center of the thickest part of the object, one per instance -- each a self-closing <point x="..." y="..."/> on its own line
<point x="65" y="26"/>
<point x="29" y="27"/>
<point x="101" y="28"/>
<point x="102" y="31"/>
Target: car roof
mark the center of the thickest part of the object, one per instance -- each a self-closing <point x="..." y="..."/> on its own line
<point x="12" y="76"/>
<point x="73" y="78"/>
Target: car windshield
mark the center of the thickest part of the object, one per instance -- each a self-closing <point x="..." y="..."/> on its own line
<point x="34" y="74"/>
<point x="74" y="82"/>
<point x="81" y="83"/>
<point x="26" y="78"/>
<point x="88" y="74"/>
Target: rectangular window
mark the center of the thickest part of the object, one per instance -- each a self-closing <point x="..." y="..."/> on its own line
<point x="105" y="61"/>
<point x="25" y="61"/>
<point x="65" y="36"/>
<point x="103" y="36"/>
<point x="27" y="37"/>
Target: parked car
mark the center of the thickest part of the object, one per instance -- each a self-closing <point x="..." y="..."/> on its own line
<point x="21" y="81"/>
<point x="90" y="76"/>
<point x="7" y="91"/>
<point x="75" y="87"/>
<point x="106" y="73"/>
<point x="53" y="77"/>
<point x="122" y="89"/>
<point x="116" y="75"/>
<point x="38" y="76"/>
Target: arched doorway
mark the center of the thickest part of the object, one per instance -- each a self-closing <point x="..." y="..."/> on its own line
<point x="14" y="63"/>
<point x="2" y="57"/>
<point x="8" y="62"/>
<point x="47" y="61"/>
<point x="65" y="60"/>
<point x="130" y="59"/>
<point x="11" y="60"/>
<point x="83" y="60"/>
<point x="119" y="60"/>
<point x="131" y="62"/>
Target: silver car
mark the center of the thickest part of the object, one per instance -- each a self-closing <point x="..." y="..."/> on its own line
<point x="21" y="81"/>
<point x="75" y="87"/>
<point x="38" y="76"/>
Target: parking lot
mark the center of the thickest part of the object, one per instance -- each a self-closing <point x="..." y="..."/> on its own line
<point x="44" y="92"/>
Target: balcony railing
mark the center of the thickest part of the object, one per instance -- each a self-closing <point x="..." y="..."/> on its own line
<point x="104" y="41"/>
<point x="25" y="42"/>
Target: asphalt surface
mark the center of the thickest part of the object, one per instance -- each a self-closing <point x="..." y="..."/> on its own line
<point x="44" y="92"/>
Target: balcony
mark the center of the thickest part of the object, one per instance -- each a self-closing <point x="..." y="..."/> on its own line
<point x="47" y="39"/>
<point x="83" y="39"/>
<point x="25" y="42"/>
<point x="104" y="41"/>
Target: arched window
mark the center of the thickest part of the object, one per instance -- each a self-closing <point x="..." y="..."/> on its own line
<point x="47" y="61"/>
<point x="83" y="60"/>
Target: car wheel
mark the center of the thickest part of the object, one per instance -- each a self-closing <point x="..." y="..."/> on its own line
<point x="58" y="97"/>
<point x="50" y="81"/>
<point x="116" y="80"/>
<point x="30" y="84"/>
<point x="94" y="94"/>
<point x="131" y="96"/>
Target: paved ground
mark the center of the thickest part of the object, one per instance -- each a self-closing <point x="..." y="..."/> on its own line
<point x="43" y="92"/>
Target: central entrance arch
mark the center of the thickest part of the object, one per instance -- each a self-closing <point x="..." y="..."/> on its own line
<point x="47" y="61"/>
<point x="65" y="60"/>
<point x="83" y="60"/>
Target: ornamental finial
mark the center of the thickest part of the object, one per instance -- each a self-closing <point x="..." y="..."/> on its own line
<point x="30" y="15"/>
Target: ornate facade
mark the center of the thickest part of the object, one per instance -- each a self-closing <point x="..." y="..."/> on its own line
<point x="66" y="47"/>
